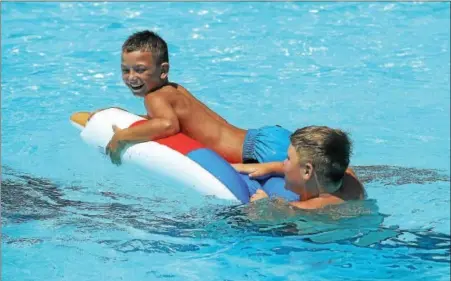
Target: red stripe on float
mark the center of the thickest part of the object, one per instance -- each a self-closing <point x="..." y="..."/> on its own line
<point x="178" y="142"/>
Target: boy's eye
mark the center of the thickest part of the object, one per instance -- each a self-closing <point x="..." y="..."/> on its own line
<point x="141" y="70"/>
<point x="125" y="70"/>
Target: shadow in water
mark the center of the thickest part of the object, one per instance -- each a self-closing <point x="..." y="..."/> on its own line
<point x="27" y="198"/>
<point x="395" y="175"/>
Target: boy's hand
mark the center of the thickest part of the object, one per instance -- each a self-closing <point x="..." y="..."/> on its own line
<point x="254" y="170"/>
<point x="259" y="194"/>
<point x="115" y="146"/>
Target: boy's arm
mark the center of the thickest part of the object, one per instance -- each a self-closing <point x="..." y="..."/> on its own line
<point x="163" y="124"/>
<point x="276" y="167"/>
<point x="144" y="116"/>
<point x="260" y="169"/>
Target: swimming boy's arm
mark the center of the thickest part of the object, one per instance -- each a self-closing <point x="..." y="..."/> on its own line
<point x="260" y="169"/>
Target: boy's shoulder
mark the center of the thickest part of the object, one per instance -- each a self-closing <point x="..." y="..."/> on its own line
<point x="168" y="89"/>
<point x="168" y="94"/>
<point x="318" y="202"/>
<point x="164" y="92"/>
<point x="352" y="188"/>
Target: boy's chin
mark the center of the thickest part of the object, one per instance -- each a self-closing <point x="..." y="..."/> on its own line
<point x="292" y="188"/>
<point x="138" y="94"/>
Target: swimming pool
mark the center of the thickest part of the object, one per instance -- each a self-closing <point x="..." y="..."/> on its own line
<point x="378" y="70"/>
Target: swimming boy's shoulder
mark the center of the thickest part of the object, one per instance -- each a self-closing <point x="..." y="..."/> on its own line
<point x="352" y="188"/>
<point x="319" y="202"/>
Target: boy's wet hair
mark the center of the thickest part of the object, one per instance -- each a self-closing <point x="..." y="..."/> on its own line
<point x="147" y="41"/>
<point x="329" y="151"/>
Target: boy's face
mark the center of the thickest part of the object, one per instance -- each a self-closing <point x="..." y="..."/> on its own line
<point x="292" y="170"/>
<point x="140" y="73"/>
<point x="296" y="174"/>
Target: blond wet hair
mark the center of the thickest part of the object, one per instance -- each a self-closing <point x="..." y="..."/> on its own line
<point x="328" y="150"/>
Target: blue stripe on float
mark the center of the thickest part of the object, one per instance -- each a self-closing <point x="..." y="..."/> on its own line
<point x="222" y="170"/>
<point x="275" y="187"/>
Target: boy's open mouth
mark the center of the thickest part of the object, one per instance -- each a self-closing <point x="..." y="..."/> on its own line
<point x="136" y="88"/>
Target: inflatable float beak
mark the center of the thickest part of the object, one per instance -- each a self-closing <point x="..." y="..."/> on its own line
<point x="80" y="119"/>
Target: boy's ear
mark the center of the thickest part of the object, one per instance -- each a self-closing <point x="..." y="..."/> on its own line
<point x="164" y="70"/>
<point x="307" y="171"/>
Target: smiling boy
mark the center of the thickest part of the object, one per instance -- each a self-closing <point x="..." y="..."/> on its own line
<point x="172" y="109"/>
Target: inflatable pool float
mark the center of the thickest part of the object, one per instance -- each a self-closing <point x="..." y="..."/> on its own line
<point x="179" y="158"/>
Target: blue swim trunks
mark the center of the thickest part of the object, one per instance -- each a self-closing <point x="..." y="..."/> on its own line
<point x="266" y="144"/>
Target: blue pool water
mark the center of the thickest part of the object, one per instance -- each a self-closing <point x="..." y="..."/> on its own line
<point x="378" y="70"/>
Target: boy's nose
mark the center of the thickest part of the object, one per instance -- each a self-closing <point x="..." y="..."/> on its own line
<point x="132" y="77"/>
<point x="132" y="73"/>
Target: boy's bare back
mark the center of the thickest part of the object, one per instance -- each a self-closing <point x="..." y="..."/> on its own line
<point x="196" y="120"/>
